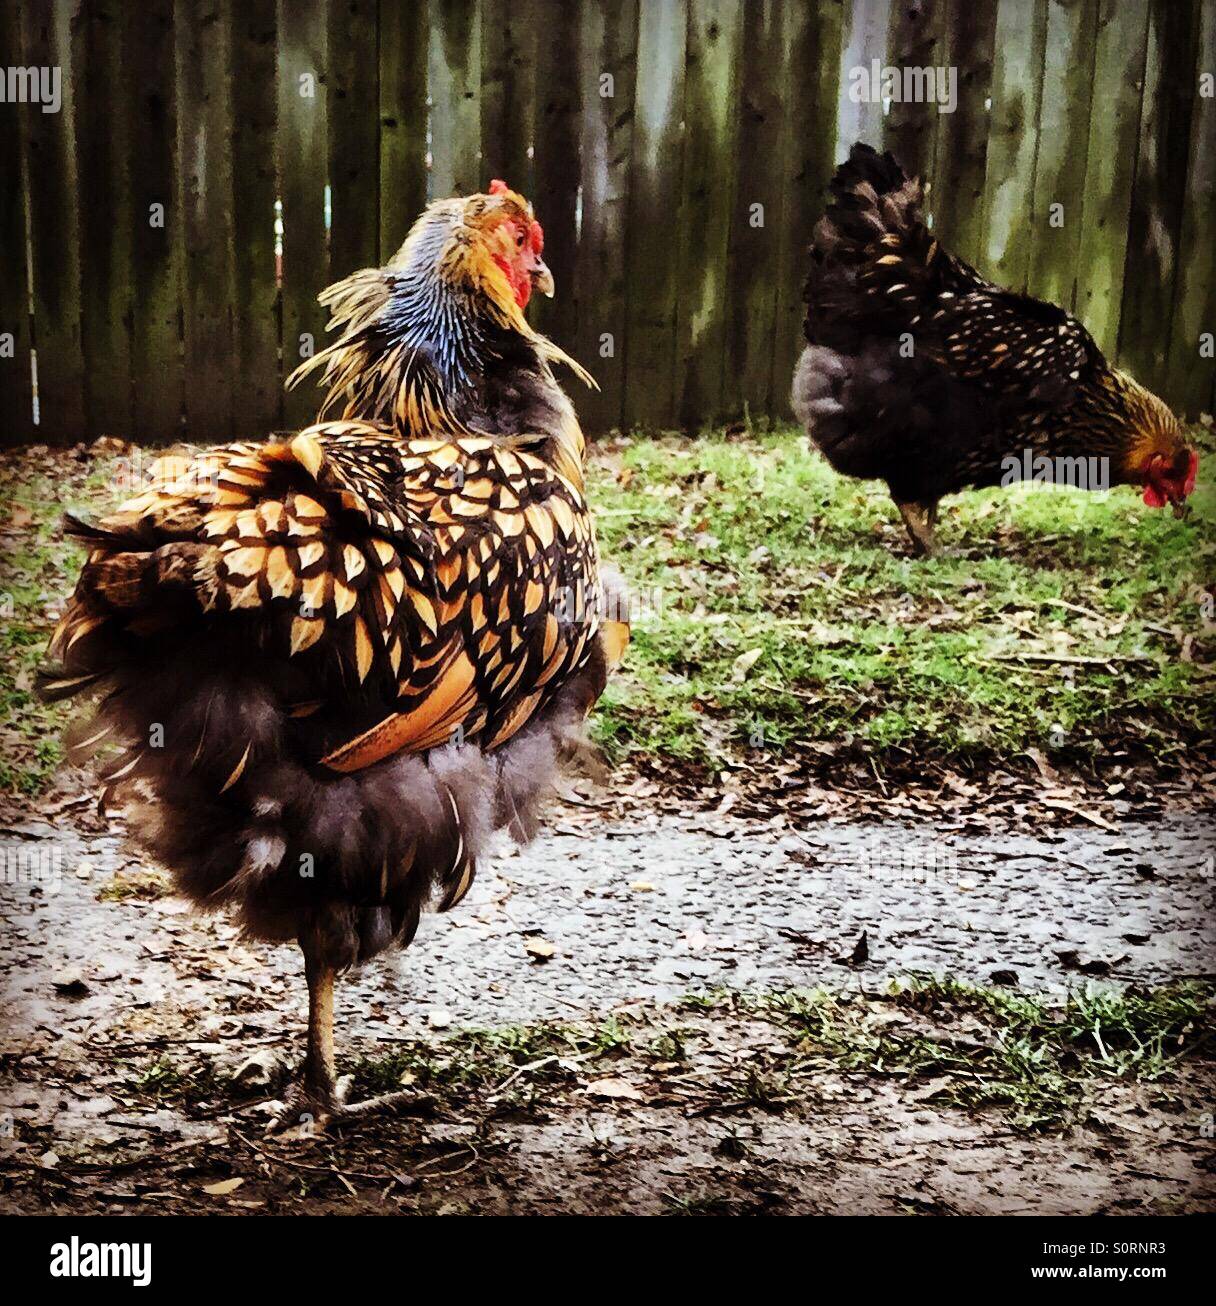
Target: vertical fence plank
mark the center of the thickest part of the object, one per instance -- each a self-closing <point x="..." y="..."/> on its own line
<point x="103" y="91"/>
<point x="204" y="133"/>
<point x="510" y="33"/>
<point x="156" y="229"/>
<point x="256" y="369"/>
<point x="608" y="75"/>
<point x="1017" y="89"/>
<point x="354" y="149"/>
<point x="650" y="361"/>
<point x="1068" y="65"/>
<point x="809" y="153"/>
<point x="16" y="390"/>
<point x="755" y="226"/>
<point x="859" y="110"/>
<point x="557" y="129"/>
<point x="1192" y="375"/>
<point x="1113" y="133"/>
<point x="403" y="120"/>
<point x="1159" y="190"/>
<point x="303" y="136"/>
<point x="455" y="78"/>
<point x="915" y="42"/>
<point x="961" y="153"/>
<point x="54" y="218"/>
<point x="711" y="121"/>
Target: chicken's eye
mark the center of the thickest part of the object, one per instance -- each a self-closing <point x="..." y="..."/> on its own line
<point x="519" y="240"/>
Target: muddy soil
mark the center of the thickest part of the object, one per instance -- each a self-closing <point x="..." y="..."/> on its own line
<point x="103" y="975"/>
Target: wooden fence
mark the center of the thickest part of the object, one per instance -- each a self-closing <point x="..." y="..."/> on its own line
<point x="215" y="163"/>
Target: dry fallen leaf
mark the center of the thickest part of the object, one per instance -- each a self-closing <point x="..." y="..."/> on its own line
<point x="642" y="886"/>
<point x="223" y="1188"/>
<point x="541" y="949"/>
<point x="744" y="663"/>
<point x="614" y="1089"/>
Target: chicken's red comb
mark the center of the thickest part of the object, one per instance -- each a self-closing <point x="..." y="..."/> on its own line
<point x="498" y="186"/>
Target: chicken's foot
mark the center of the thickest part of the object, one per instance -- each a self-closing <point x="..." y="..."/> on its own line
<point x="920" y="519"/>
<point x="317" y="1102"/>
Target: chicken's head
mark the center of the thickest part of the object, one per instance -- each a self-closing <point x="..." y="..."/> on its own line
<point x="518" y="241"/>
<point x="1158" y="456"/>
<point x="495" y="247"/>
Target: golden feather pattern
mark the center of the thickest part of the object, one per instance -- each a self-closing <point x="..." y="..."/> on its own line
<point x="452" y="579"/>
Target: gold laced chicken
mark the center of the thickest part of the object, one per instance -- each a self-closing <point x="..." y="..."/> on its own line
<point x="327" y="668"/>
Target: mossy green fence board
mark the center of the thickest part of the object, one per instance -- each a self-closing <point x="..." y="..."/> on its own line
<point x="105" y="92"/>
<point x="1013" y="140"/>
<point x="16" y="381"/>
<point x="51" y="172"/>
<point x="812" y="86"/>
<point x="556" y="123"/>
<point x="866" y="25"/>
<point x="455" y="85"/>
<point x="510" y="34"/>
<point x="753" y="259"/>
<point x="1191" y="373"/>
<point x="204" y="194"/>
<point x="303" y="140"/>
<point x="157" y="362"/>
<point x="654" y="232"/>
<point x="707" y="205"/>
<point x="354" y="142"/>
<point x="1063" y="151"/>
<point x="255" y="300"/>
<point x="608" y="69"/>
<point x="1155" y="227"/>
<point x="961" y="151"/>
<point x="403" y="120"/>
<point x="914" y="41"/>
<point x="1107" y="197"/>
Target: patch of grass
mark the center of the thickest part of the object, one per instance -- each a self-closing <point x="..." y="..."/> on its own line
<point x="994" y="1047"/>
<point x="668" y="1046"/>
<point x="188" y="1079"/>
<point x="161" y="1078"/>
<point x="38" y="568"/>
<point x="779" y="605"/>
<point x="481" y="1059"/>
<point x="1037" y="1060"/>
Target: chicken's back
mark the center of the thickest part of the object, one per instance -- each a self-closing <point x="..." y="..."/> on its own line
<point x="918" y="371"/>
<point x="320" y="691"/>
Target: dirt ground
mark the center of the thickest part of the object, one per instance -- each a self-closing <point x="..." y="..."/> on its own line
<point x="143" y="1044"/>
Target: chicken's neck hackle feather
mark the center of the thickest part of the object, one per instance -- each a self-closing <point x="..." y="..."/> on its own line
<point x="418" y="337"/>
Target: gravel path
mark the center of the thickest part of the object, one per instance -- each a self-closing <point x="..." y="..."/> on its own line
<point x="649" y="908"/>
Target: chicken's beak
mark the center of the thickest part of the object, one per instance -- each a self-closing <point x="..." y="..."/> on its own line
<point x="542" y="279"/>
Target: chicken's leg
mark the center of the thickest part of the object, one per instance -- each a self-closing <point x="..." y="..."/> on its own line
<point x="920" y="519"/>
<point x="316" y="1101"/>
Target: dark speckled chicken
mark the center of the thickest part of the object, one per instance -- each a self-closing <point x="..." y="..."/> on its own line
<point x="920" y="373"/>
